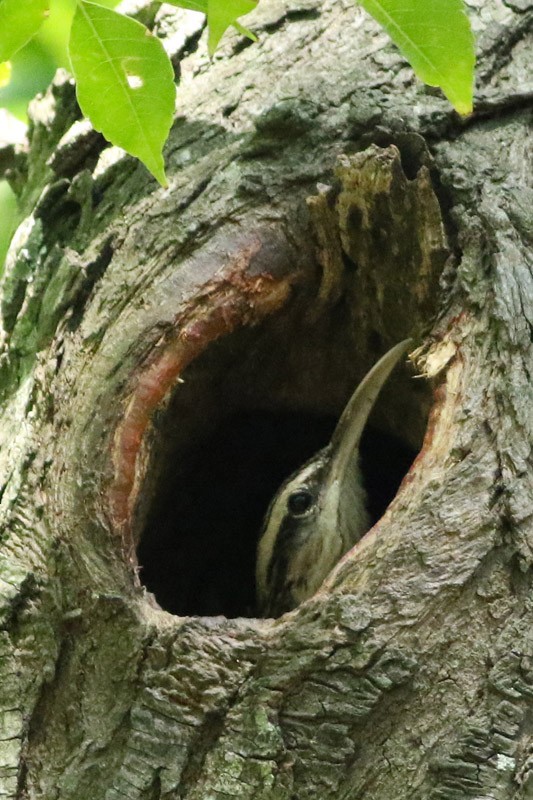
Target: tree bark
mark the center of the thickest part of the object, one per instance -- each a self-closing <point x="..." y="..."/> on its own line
<point x="322" y="206"/>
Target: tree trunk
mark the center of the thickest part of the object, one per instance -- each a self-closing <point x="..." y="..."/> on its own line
<point x="170" y="355"/>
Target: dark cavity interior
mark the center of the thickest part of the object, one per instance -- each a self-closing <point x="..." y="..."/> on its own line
<point x="250" y="411"/>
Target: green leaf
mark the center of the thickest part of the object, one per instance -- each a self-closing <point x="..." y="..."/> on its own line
<point x="19" y="21"/>
<point x="192" y="5"/>
<point x="435" y="37"/>
<point x="5" y="73"/>
<point x="223" y="13"/>
<point x="245" y="31"/>
<point x="220" y="15"/>
<point x="124" y="82"/>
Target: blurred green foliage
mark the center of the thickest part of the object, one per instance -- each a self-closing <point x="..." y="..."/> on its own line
<point x="33" y="68"/>
<point x="8" y="207"/>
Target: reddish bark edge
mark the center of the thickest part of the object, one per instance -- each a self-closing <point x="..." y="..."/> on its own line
<point x="230" y="301"/>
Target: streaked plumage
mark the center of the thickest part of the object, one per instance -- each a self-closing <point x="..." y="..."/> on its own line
<point x="320" y="511"/>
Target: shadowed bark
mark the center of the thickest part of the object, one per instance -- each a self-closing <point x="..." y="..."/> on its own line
<point x="168" y="356"/>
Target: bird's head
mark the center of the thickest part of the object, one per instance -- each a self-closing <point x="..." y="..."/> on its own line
<point x="320" y="511"/>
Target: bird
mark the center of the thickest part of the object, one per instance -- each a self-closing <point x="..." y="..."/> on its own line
<point x="320" y="511"/>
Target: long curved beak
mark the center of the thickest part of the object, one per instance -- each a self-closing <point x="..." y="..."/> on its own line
<point x="347" y="434"/>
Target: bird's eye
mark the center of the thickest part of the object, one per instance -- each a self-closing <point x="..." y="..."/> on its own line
<point x="299" y="502"/>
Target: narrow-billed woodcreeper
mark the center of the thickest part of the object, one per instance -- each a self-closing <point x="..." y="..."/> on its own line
<point x="319" y="513"/>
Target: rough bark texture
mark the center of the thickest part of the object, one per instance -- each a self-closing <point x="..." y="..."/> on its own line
<point x="410" y="674"/>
